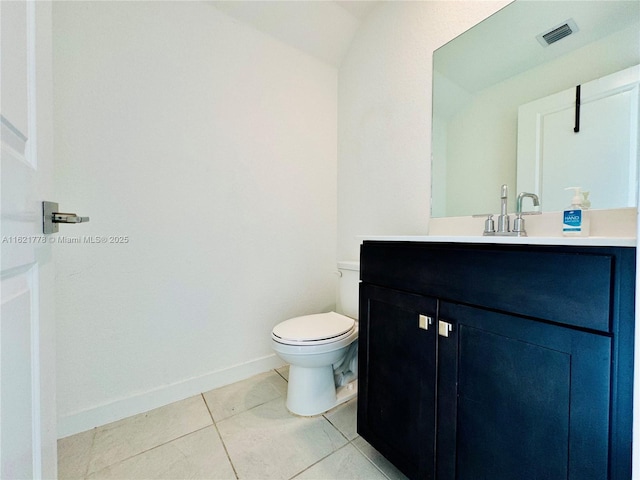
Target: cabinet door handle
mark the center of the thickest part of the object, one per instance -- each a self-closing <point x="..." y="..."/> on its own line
<point x="424" y="322"/>
<point x="444" y="328"/>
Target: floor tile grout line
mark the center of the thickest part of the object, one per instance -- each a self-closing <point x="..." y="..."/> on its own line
<point x="368" y="459"/>
<point x="350" y="442"/>
<point x="319" y="460"/>
<point x="336" y="427"/>
<point x="324" y="416"/>
<point x="224" y="445"/>
<point x="337" y="450"/>
<point x="281" y="375"/>
<point x="97" y="429"/>
<point x="93" y="441"/>
<point x="242" y="411"/>
<point x="375" y="465"/>
<point x="146" y="451"/>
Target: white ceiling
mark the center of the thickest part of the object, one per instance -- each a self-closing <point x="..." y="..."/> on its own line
<point x="505" y="44"/>
<point x="323" y="29"/>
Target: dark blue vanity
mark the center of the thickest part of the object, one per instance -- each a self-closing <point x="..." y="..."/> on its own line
<point x="497" y="361"/>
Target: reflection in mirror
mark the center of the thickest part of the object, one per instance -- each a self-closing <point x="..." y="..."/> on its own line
<point x="500" y="75"/>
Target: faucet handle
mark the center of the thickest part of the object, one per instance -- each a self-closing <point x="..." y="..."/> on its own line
<point x="489" y="224"/>
<point x="518" y="226"/>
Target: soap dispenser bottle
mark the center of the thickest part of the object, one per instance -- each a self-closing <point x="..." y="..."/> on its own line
<point x="575" y="219"/>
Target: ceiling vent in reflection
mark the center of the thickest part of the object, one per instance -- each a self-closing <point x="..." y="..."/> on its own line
<point x="557" y="33"/>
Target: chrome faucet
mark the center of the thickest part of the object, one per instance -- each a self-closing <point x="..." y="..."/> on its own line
<point x="518" y="224"/>
<point x="532" y="196"/>
<point x="504" y="219"/>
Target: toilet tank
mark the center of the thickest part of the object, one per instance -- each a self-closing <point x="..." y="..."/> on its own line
<point x="348" y="288"/>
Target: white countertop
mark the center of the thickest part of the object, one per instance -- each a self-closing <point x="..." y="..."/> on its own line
<point x="575" y="241"/>
<point x="609" y="228"/>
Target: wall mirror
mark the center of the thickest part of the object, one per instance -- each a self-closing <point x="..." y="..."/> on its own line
<point x="504" y="97"/>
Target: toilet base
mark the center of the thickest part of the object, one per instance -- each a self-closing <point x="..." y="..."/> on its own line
<point x="312" y="391"/>
<point x="346" y="392"/>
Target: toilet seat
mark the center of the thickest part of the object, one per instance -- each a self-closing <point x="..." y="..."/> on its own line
<point x="318" y="329"/>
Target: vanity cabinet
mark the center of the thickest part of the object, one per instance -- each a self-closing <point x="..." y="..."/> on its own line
<point x="483" y="361"/>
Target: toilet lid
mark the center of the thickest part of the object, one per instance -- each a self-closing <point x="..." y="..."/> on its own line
<point x="314" y="328"/>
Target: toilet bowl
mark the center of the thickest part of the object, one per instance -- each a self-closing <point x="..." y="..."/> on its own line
<point x="313" y="345"/>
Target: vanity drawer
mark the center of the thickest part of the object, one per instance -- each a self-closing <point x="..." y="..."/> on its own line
<point x="571" y="286"/>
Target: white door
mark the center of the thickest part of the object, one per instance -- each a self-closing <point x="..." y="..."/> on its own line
<point x="601" y="158"/>
<point x="27" y="330"/>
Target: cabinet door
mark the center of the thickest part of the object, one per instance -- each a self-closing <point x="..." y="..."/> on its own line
<point x="521" y="399"/>
<point x="397" y="378"/>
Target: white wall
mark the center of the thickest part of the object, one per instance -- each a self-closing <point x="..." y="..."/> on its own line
<point x="384" y="122"/>
<point x="212" y="148"/>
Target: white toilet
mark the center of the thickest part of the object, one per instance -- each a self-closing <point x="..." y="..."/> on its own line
<point x="313" y="344"/>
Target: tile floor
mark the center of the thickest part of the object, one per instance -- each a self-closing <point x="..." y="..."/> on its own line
<point x="240" y="431"/>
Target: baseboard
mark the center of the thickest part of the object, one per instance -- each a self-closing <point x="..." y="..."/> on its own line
<point x="142" y="402"/>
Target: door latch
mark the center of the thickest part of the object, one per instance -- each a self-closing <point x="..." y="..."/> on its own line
<point x="51" y="217"/>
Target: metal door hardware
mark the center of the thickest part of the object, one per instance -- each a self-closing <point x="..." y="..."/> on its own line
<point x="51" y="217"/>
<point x="444" y="328"/>
<point x="424" y="322"/>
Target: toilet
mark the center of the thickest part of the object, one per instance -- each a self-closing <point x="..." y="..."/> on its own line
<point x="321" y="350"/>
